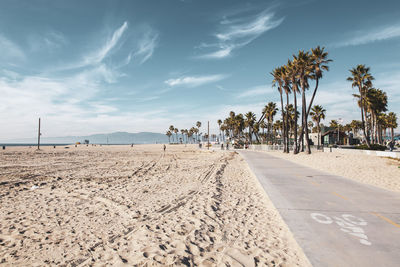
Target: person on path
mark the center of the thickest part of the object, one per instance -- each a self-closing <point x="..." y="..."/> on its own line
<point x="165" y="147"/>
<point x="391" y="145"/>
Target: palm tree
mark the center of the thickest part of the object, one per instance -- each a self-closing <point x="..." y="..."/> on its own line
<point x="391" y="121"/>
<point x="198" y="124"/>
<point x="262" y="125"/>
<point x="362" y="79"/>
<point x="317" y="114"/>
<point x="319" y="60"/>
<point x="183" y="134"/>
<point x="270" y="111"/>
<point x="256" y="130"/>
<point x="355" y="126"/>
<point x="172" y="128"/>
<point x="219" y="126"/>
<point x="169" y="136"/>
<point x="249" y="122"/>
<point x="278" y="126"/>
<point x="376" y="101"/>
<point x="334" y="124"/>
<point x="278" y="81"/>
<point x="303" y="62"/>
<point x="292" y="73"/>
<point x="176" y="134"/>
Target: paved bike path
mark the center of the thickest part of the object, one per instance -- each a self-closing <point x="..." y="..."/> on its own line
<point x="336" y="221"/>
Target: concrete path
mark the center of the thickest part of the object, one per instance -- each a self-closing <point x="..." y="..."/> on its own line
<point x="336" y="221"/>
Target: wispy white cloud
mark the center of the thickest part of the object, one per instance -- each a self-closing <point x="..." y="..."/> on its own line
<point x="100" y="54"/>
<point x="146" y="46"/>
<point x="194" y="81"/>
<point x="261" y="90"/>
<point x="370" y="36"/>
<point x="10" y="50"/>
<point x="239" y="31"/>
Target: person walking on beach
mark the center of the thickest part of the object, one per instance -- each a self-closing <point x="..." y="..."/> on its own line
<point x="165" y="147"/>
<point x="391" y="145"/>
<point x="222" y="146"/>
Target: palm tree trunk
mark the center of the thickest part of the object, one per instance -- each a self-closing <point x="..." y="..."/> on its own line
<point x="305" y="122"/>
<point x="363" y="122"/>
<point x="283" y="134"/>
<point x="287" y="124"/>
<point x="319" y="134"/>
<point x="308" y="111"/>
<point x="250" y="139"/>
<point x="295" y="151"/>
<point x="392" y="132"/>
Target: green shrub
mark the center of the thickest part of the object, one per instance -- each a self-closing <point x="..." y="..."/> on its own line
<point x="373" y="147"/>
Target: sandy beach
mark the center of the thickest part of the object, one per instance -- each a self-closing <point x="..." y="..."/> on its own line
<point x="373" y="170"/>
<point x="117" y="205"/>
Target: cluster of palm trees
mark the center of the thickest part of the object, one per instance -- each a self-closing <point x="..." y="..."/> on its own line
<point x="302" y="72"/>
<point x="187" y="136"/>
<point x="239" y="126"/>
<point x="294" y="78"/>
<point x="373" y="105"/>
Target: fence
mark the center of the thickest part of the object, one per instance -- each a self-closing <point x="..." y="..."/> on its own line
<point x="278" y="148"/>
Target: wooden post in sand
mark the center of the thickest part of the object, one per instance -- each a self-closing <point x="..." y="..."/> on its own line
<point x="208" y="135"/>
<point x="38" y="142"/>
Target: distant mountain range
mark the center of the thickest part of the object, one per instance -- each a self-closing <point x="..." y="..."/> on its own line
<point x="112" y="138"/>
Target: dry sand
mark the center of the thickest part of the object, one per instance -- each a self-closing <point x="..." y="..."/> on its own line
<point x="373" y="170"/>
<point x="118" y="205"/>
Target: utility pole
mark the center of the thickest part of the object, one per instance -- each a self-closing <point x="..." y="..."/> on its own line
<point x="38" y="143"/>
<point x="208" y="135"/>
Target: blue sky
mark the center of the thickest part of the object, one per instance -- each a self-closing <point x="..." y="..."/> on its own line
<point x="102" y="66"/>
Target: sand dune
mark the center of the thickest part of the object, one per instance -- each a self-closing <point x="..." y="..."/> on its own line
<point x="118" y="205"/>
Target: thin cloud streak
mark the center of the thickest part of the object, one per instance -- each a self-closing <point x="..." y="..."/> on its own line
<point x="376" y="35"/>
<point x="146" y="47"/>
<point x="239" y="32"/>
<point x="194" y="81"/>
<point x="98" y="56"/>
<point x="255" y="91"/>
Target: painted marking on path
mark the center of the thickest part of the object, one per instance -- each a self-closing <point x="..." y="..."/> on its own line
<point x="386" y="219"/>
<point x="348" y="223"/>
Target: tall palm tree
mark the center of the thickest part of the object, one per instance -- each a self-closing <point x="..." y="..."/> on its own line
<point x="303" y="62"/>
<point x="292" y="73"/>
<point x="317" y="114"/>
<point x="249" y="122"/>
<point x="391" y="121"/>
<point x="287" y="89"/>
<point x="278" y="81"/>
<point x="319" y="61"/>
<point x="376" y="101"/>
<point x="362" y="79"/>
